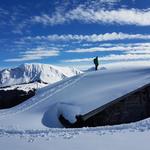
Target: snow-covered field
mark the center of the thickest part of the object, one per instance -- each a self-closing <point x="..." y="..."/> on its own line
<point x="85" y="139"/>
<point x="34" y="124"/>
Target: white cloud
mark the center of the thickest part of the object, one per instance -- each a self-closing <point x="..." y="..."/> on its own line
<point x="90" y="15"/>
<point x="145" y="44"/>
<point x="114" y="48"/>
<point x="78" y="60"/>
<point x="111" y="47"/>
<point x="124" y="57"/>
<point x="92" y="37"/>
<point x="139" y="51"/>
<point x="46" y="20"/>
<point x="3" y="12"/>
<point x="36" y="54"/>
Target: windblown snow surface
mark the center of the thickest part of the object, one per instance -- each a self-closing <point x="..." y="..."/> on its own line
<point x="34" y="124"/>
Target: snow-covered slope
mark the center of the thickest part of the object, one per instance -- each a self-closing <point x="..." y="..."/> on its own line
<point x="72" y="96"/>
<point x="29" y="73"/>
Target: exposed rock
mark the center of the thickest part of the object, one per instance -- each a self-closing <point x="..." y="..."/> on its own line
<point x="10" y="98"/>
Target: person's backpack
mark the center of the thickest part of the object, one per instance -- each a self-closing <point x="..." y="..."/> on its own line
<point x="94" y="60"/>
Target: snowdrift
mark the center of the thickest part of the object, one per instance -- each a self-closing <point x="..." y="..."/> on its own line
<point x="76" y="95"/>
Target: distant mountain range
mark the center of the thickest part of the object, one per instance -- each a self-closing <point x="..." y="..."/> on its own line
<point x="35" y="72"/>
<point x="20" y="83"/>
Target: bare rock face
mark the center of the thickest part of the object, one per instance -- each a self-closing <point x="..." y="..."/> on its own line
<point x="10" y="98"/>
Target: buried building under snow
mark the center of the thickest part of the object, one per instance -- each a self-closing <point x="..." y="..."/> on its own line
<point x="131" y="107"/>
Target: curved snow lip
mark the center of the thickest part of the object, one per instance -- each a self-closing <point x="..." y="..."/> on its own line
<point x="51" y="116"/>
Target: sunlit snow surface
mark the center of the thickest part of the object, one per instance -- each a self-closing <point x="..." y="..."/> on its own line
<point x="36" y="120"/>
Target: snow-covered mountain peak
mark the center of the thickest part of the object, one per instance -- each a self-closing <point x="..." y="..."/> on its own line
<point x="28" y="73"/>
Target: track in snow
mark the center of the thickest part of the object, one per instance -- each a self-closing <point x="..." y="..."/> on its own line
<point x="43" y="97"/>
<point x="31" y="135"/>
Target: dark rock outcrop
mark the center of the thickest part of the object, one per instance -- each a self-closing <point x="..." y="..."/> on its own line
<point x="10" y="98"/>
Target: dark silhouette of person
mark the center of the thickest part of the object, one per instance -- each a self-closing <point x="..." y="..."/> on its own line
<point x="95" y="60"/>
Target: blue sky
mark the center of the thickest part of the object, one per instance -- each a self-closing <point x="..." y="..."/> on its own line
<point x="72" y="32"/>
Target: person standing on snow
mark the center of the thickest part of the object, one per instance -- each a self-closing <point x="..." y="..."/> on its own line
<point x="95" y="60"/>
